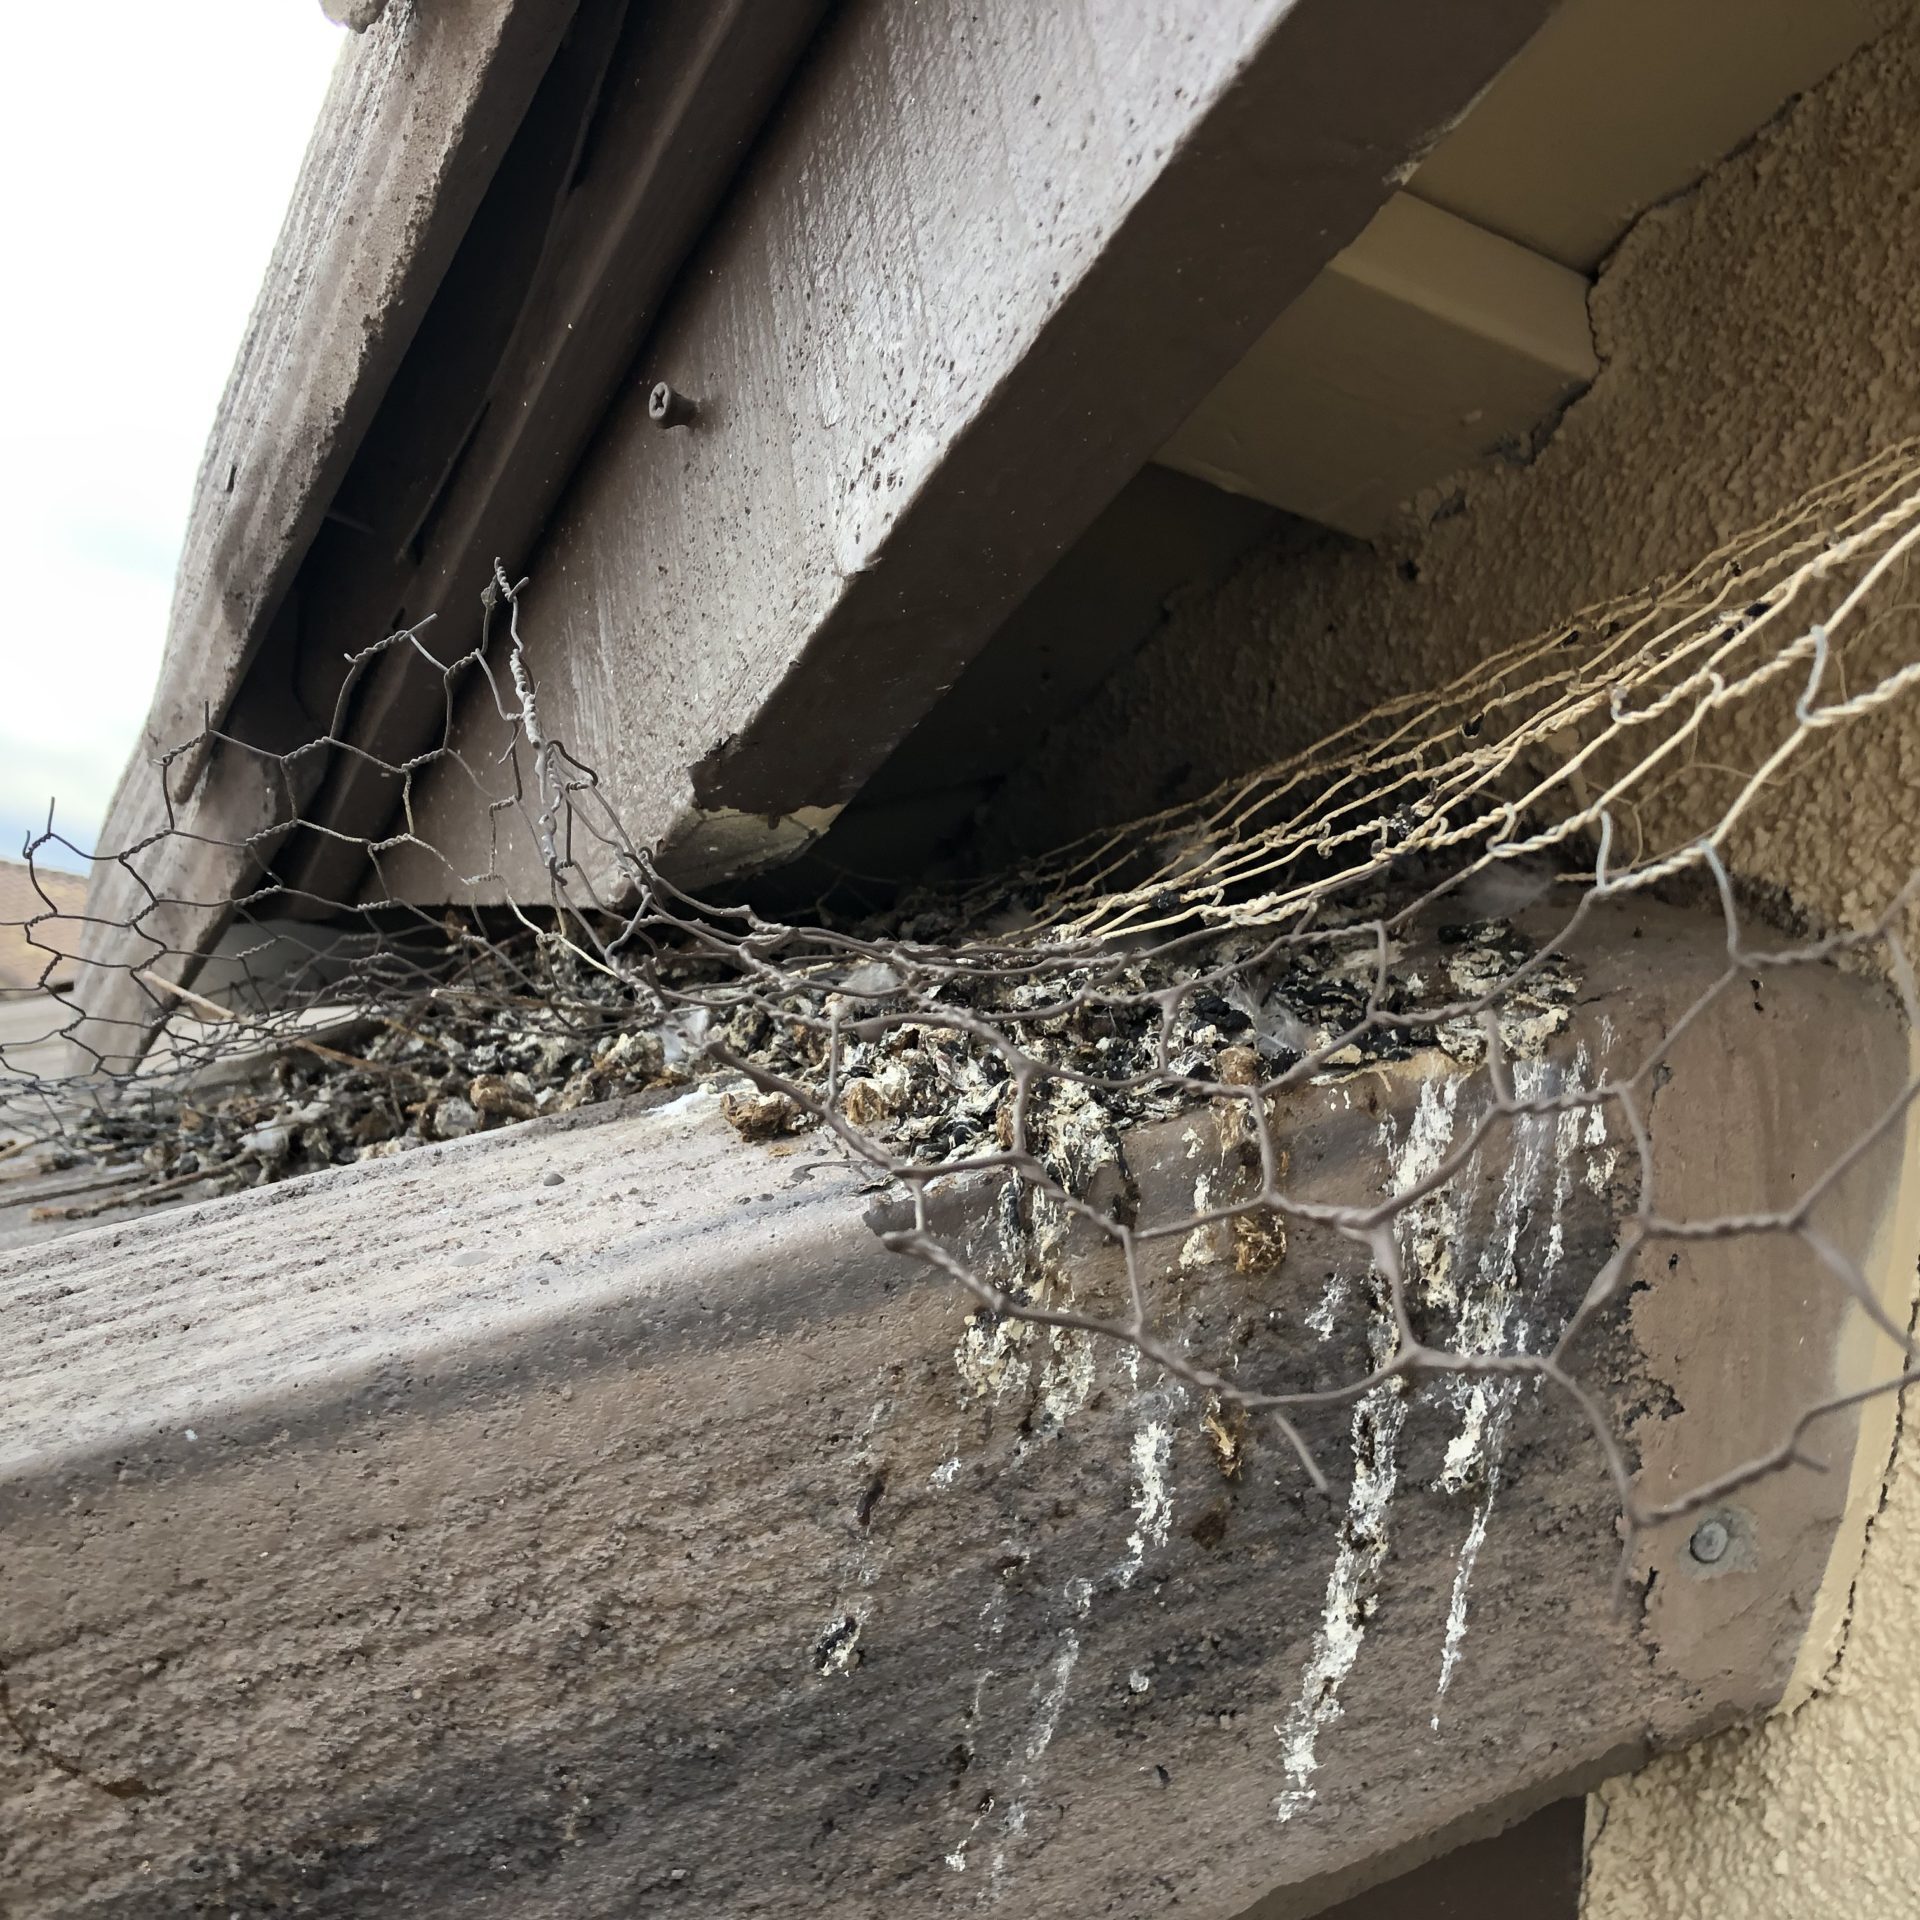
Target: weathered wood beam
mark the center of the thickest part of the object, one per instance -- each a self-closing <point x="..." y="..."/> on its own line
<point x="441" y="459"/>
<point x="961" y="298"/>
<point x="420" y="111"/>
<point x="982" y="266"/>
<point x="594" y="1517"/>
<point x="680" y="94"/>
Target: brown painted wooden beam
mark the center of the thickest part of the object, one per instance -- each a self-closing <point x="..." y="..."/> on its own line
<point x="573" y="271"/>
<point x="420" y="112"/>
<point x="593" y="1517"/>
<point x="977" y="271"/>
<point x="982" y="266"/>
<point x="442" y="451"/>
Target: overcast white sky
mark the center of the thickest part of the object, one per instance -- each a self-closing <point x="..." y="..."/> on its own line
<point x="146" y="156"/>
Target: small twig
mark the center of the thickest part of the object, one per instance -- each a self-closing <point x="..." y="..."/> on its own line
<point x="349" y="1060"/>
<point x="199" y="1002"/>
<point x="119" y="1179"/>
<point x="140" y="1197"/>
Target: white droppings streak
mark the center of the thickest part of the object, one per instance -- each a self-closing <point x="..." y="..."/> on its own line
<point x="1428" y="1139"/>
<point x="1152" y="1453"/>
<point x="1430" y="1135"/>
<point x="1197" y="1250"/>
<point x="1462" y="1579"/>
<point x="1601" y="1158"/>
<point x="1066" y="1376"/>
<point x="1326" y="1316"/>
<point x="992" y="1358"/>
<point x="1051" y="1707"/>
<point x="1425" y="1233"/>
<point x="1152" y="1496"/>
<point x="1040" y="1732"/>
<point x="1377" y="1421"/>
<point x="1430" y="1229"/>
<point x="957" y="1858"/>
<point x="1484" y="1311"/>
<point x="1486" y="1322"/>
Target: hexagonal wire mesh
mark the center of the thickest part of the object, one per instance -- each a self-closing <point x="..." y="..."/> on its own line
<point x="1412" y="888"/>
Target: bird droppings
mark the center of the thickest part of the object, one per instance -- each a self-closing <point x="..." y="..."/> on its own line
<point x="1351" y="1588"/>
<point x="1067" y="1375"/>
<point x="1152" y="1495"/>
<point x="837" y="1651"/>
<point x="1050" y="1695"/>
<point x="1425" y="1233"/>
<point x="991" y="1358"/>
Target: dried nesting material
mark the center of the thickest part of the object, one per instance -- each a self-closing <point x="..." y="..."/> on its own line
<point x="504" y="1096"/>
<point x="1118" y="1034"/>
<point x="1225" y="1426"/>
<point x="761" y="1116"/>
<point x="487" y="1034"/>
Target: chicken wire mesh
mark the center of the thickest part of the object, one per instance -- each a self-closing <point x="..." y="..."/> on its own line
<point x="1414" y="889"/>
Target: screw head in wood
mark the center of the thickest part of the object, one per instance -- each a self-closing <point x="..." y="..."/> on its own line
<point x="1710" y="1541"/>
<point x="668" y="408"/>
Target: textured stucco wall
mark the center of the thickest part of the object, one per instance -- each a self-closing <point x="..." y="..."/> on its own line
<point x="1759" y="335"/>
<point x="1818" y="1810"/>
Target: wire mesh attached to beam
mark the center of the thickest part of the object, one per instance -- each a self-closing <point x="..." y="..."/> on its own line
<point x="1412" y="903"/>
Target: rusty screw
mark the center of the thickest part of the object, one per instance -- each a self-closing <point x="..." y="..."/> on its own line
<point x="667" y="408"/>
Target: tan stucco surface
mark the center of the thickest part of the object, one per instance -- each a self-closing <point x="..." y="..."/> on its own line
<point x="1757" y="337"/>
<point x="1817" y="1811"/>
